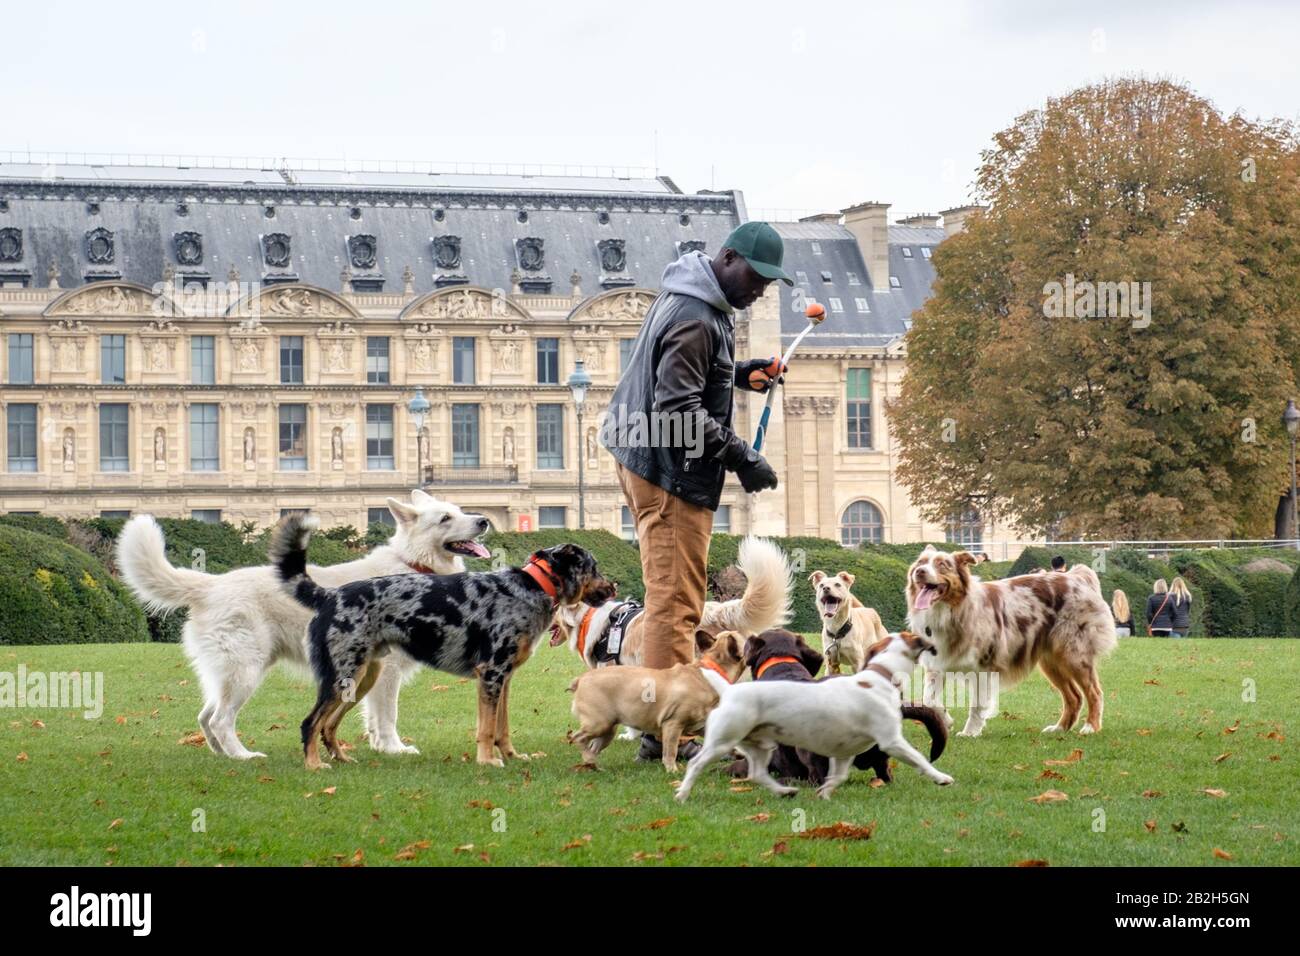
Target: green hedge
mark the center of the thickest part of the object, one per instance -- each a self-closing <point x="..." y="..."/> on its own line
<point x="53" y="593"/>
<point x="1293" y="606"/>
<point x="41" y="524"/>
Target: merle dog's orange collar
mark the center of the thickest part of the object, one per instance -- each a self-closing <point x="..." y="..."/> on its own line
<point x="539" y="569"/>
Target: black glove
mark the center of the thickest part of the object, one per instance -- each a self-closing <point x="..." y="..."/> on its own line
<point x="757" y="375"/>
<point x="755" y="473"/>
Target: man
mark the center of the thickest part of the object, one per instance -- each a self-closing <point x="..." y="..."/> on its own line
<point x="679" y="377"/>
<point x="1058" y="563"/>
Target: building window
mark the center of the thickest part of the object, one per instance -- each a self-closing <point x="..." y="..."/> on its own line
<point x="965" y="528"/>
<point x="836" y="304"/>
<point x="624" y="354"/>
<point x="206" y="515"/>
<point x="548" y="361"/>
<point x="853" y="278"/>
<point x="894" y="283"/>
<point x="205" y="454"/>
<point x="826" y="276"/>
<point x="861" y="524"/>
<point x="722" y="520"/>
<point x="22" y="437"/>
<point x="203" y="359"/>
<point x="861" y="304"/>
<point x="21" y="363"/>
<point x="628" y="525"/>
<point x="291" y="359"/>
<point x="380" y="516"/>
<point x="816" y="247"/>
<point x="115" y="515"/>
<point x="112" y="359"/>
<point x="552" y="516"/>
<point x="377" y="360"/>
<point x="293" y="437"/>
<point x="907" y="252"/>
<point x="550" y="436"/>
<point x="925" y="251"/>
<point x="114" y="432"/>
<point x="462" y="360"/>
<point x="857" y="407"/>
<point x="379" y="437"/>
<point x="464" y="435"/>
<point x="801" y="277"/>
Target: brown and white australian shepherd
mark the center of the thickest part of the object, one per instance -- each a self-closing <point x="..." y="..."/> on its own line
<point x="1002" y="629"/>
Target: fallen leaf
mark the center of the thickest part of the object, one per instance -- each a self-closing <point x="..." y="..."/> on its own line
<point x="1223" y="756"/>
<point x="1032" y="863"/>
<point x="875" y="782"/>
<point x="779" y="847"/>
<point x="1233" y="728"/>
<point x="439" y="687"/>
<point x="1222" y="854"/>
<point x="265" y="779"/>
<point x="193" y="739"/>
<point x="1213" y="792"/>
<point x="654" y="824"/>
<point x="573" y="845"/>
<point x="464" y="848"/>
<point x="1050" y="796"/>
<point x="116" y="823"/>
<point x="404" y="855"/>
<point x="740" y="788"/>
<point x="1144" y="732"/>
<point x="1150" y="825"/>
<point x="22" y="756"/>
<point x="1152" y="793"/>
<point x="1153" y="682"/>
<point x="1051" y="775"/>
<point x="38" y="724"/>
<point x="840" y="831"/>
<point x="330" y="791"/>
<point x="759" y="818"/>
<point x="481" y="805"/>
<point x="1075" y="756"/>
<point x="1020" y="766"/>
<point x="119" y="719"/>
<point x="641" y="855"/>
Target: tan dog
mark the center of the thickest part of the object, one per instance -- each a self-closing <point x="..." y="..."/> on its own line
<point x="849" y="628"/>
<point x="668" y="703"/>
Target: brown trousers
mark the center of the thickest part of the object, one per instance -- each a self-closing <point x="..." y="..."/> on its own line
<point x="674" y="539"/>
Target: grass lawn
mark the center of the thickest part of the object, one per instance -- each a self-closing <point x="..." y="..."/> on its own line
<point x="125" y="789"/>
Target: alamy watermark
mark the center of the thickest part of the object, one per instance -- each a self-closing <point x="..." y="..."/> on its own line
<point x="621" y="427"/>
<point x="57" y="690"/>
<point x="1084" y="299"/>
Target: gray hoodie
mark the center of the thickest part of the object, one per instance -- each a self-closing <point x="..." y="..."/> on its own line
<point x="680" y="375"/>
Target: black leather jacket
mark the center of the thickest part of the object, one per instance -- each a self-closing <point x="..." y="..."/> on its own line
<point x="677" y="386"/>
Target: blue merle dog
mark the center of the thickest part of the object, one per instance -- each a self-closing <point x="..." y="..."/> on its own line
<point x="473" y="624"/>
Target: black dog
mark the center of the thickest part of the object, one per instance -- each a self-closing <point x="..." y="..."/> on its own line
<point x="483" y="624"/>
<point x="783" y="655"/>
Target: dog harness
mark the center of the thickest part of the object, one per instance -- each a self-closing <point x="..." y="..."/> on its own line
<point x="772" y="662"/>
<point x="539" y="570"/>
<point x="608" y="648"/>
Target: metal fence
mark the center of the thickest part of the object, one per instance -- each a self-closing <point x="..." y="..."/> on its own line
<point x="1008" y="550"/>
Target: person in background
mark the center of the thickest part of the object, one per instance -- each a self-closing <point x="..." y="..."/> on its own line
<point x="1180" y="599"/>
<point x="1160" y="613"/>
<point x="1122" y="612"/>
<point x="1058" y="563"/>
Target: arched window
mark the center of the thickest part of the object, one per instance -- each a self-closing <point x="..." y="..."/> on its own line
<point x="861" y="524"/>
<point x="966" y="528"/>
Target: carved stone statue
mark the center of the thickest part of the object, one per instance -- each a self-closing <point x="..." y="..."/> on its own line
<point x="250" y="356"/>
<point x="509" y="356"/>
<point x="591" y="354"/>
<point x="159" y="446"/>
<point x="422" y="445"/>
<point x="156" y="351"/>
<point x="336" y="446"/>
<point x="508" y="447"/>
<point x="422" y="356"/>
<point x="591" y="445"/>
<point x="337" y="359"/>
<point x="69" y="449"/>
<point x="250" y="446"/>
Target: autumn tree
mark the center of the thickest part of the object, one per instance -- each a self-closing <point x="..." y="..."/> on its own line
<point x="1041" y="386"/>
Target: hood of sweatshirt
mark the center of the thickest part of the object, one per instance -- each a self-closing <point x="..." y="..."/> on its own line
<point x="692" y="275"/>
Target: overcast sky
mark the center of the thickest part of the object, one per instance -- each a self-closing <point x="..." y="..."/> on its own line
<point x="805" y="106"/>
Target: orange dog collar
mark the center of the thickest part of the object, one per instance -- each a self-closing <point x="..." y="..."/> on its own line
<point x="772" y="662"/>
<point x="540" y="571"/>
<point x="711" y="665"/>
<point x="583" y="627"/>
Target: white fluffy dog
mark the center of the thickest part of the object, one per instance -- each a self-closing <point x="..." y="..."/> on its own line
<point x="242" y="622"/>
<point x="838" y="718"/>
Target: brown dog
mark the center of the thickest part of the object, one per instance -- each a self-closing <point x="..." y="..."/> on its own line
<point x="668" y="702"/>
<point x="848" y="626"/>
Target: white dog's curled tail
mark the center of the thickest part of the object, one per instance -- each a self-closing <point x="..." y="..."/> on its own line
<point x="766" y="601"/>
<point x="142" y="559"/>
<point x="288" y="552"/>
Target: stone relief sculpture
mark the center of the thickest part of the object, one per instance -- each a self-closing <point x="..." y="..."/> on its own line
<point x="250" y="447"/>
<point x="592" y="447"/>
<point x="509" y="356"/>
<point x="250" y="356"/>
<point x="159" y="447"/>
<point x="337" y="359"/>
<point x="422" y="356"/>
<point x="69" y="449"/>
<point x="508" y="446"/>
<point x="336" y="447"/>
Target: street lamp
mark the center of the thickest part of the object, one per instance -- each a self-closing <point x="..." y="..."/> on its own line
<point x="1291" y="419"/>
<point x="579" y="380"/>
<point x="419" y="407"/>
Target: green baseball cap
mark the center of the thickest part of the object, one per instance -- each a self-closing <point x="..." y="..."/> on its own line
<point x="761" y="247"/>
